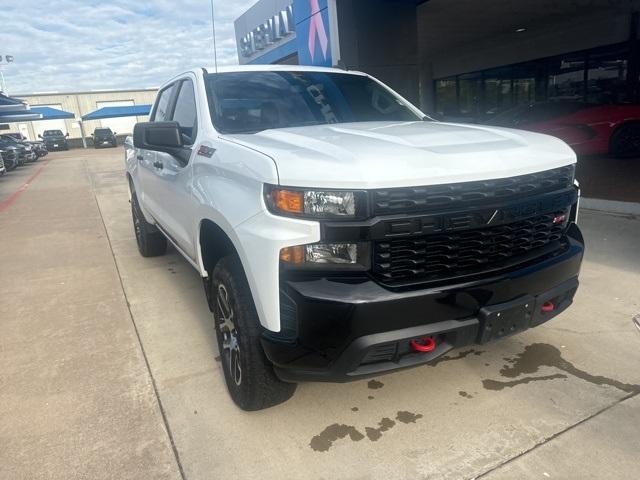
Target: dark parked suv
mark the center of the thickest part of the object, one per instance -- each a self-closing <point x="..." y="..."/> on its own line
<point x="55" y="140"/>
<point x="104" y="137"/>
<point x="14" y="155"/>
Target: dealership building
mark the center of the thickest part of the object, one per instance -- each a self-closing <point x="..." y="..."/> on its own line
<point x="470" y="60"/>
<point x="464" y="59"/>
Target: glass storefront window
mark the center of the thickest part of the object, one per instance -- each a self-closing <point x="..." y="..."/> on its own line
<point x="469" y="98"/>
<point x="497" y="91"/>
<point x="598" y="76"/>
<point x="606" y="77"/>
<point x="566" y="78"/>
<point x="524" y="91"/>
<point x="446" y="97"/>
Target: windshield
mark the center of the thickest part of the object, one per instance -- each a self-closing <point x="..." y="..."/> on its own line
<point x="249" y="102"/>
<point x="102" y="131"/>
<point x="52" y="133"/>
<point x="9" y="138"/>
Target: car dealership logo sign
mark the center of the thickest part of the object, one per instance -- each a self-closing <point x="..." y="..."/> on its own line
<point x="270" y="32"/>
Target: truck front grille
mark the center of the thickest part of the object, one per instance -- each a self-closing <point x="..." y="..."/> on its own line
<point x="446" y="256"/>
<point x="439" y="197"/>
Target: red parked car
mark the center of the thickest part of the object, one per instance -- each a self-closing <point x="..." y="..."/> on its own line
<point x="589" y="129"/>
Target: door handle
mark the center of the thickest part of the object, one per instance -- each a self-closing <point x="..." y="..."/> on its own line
<point x="158" y="165"/>
<point x="140" y="157"/>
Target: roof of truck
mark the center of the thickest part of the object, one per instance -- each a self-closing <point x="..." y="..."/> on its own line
<point x="278" y="68"/>
<point x="261" y="68"/>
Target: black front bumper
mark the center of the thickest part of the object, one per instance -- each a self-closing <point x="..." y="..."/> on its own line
<point x="349" y="328"/>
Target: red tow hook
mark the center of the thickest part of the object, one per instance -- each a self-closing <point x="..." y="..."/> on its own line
<point x="425" y="344"/>
<point x="548" y="307"/>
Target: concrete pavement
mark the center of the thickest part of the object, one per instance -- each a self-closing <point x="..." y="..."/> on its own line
<point x="559" y="401"/>
<point x="76" y="398"/>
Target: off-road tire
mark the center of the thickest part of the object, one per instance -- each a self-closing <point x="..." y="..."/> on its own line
<point x="151" y="243"/>
<point x="259" y="387"/>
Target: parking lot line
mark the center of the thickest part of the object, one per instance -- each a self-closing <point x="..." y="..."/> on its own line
<point x="15" y="195"/>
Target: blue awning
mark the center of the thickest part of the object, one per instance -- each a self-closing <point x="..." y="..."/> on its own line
<point x="50" y="113"/>
<point x="19" y="116"/>
<point x="13" y="103"/>
<point x="114" y="112"/>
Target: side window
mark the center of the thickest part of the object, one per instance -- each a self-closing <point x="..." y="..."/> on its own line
<point x="185" y="112"/>
<point x="161" y="112"/>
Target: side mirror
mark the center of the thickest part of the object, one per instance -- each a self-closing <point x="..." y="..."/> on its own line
<point x="66" y="134"/>
<point x="161" y="137"/>
<point x="114" y="134"/>
<point x="92" y="134"/>
<point x="39" y="136"/>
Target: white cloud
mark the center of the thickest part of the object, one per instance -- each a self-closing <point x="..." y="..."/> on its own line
<point x="68" y="45"/>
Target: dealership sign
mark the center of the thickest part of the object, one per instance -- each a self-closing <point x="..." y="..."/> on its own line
<point x="271" y="32"/>
<point x="313" y="32"/>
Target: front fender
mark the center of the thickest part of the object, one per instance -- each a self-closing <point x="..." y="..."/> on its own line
<point x="260" y="240"/>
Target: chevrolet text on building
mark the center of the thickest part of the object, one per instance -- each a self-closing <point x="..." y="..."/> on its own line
<point x="340" y="232"/>
<point x="280" y="30"/>
<point x="270" y="32"/>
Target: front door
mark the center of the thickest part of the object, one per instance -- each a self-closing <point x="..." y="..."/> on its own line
<point x="148" y="163"/>
<point x="173" y="174"/>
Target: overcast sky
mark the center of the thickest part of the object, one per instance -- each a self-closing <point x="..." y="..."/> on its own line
<point x="67" y="45"/>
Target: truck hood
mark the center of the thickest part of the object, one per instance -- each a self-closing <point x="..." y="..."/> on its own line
<point x="399" y="154"/>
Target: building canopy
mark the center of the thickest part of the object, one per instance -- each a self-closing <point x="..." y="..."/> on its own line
<point x="50" y="113"/>
<point x="15" y="110"/>
<point x="115" y="112"/>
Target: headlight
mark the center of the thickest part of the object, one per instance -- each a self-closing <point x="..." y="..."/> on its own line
<point x="350" y="256"/>
<point x="322" y="204"/>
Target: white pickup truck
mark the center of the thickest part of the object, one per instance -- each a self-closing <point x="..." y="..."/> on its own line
<point x="340" y="232"/>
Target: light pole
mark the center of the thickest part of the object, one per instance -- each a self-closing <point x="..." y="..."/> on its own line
<point x="4" y="60"/>
<point x="213" y="32"/>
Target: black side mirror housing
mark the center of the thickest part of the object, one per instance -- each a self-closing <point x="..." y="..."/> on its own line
<point x="161" y="137"/>
<point x="39" y="136"/>
<point x="158" y="136"/>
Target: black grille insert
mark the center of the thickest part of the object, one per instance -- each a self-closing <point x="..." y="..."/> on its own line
<point x="446" y="256"/>
<point x="425" y="199"/>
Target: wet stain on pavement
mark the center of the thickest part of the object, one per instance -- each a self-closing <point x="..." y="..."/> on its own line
<point x="354" y="409"/>
<point x="497" y="385"/>
<point x="325" y="440"/>
<point x="464" y="394"/>
<point x="371" y="397"/>
<point x="408" y="417"/>
<point x="540" y="355"/>
<point x="374" y="384"/>
<point x="374" y="434"/>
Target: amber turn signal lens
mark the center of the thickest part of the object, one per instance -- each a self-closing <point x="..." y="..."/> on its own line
<point x="288" y="201"/>
<point x="292" y="254"/>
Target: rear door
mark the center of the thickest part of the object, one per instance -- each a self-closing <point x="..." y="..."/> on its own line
<point x="147" y="163"/>
<point x="173" y="175"/>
